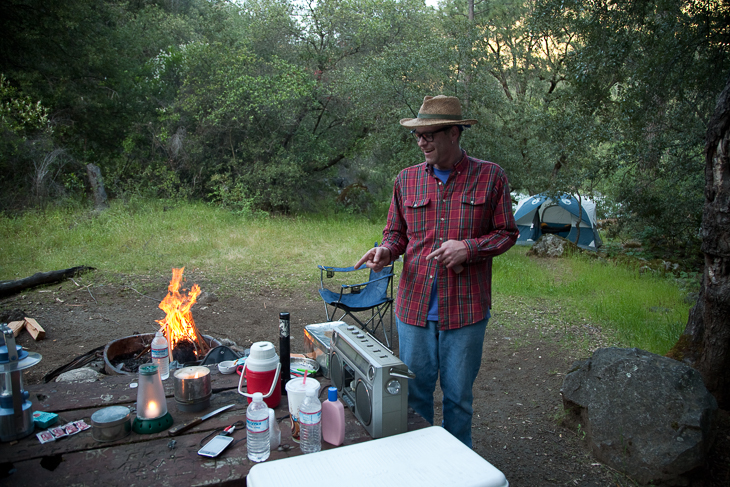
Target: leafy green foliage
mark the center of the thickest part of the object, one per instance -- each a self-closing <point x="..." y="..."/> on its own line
<point x="280" y="106"/>
<point x="649" y="72"/>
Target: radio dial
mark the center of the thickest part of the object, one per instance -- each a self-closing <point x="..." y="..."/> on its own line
<point x="371" y="373"/>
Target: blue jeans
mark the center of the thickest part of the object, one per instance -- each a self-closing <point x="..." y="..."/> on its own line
<point x="455" y="356"/>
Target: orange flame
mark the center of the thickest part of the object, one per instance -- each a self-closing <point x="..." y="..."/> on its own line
<point x="178" y="324"/>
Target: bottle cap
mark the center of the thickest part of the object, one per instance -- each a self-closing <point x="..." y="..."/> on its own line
<point x="332" y="394"/>
<point x="311" y="392"/>
<point x="258" y="397"/>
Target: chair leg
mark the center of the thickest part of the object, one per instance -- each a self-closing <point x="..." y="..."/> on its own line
<point x="379" y="313"/>
<point x="334" y="313"/>
<point x="327" y="312"/>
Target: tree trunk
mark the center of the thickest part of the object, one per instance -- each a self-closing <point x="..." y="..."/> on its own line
<point x="97" y="186"/>
<point x="705" y="343"/>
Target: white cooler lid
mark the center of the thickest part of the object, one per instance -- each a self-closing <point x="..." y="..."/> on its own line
<point x="425" y="457"/>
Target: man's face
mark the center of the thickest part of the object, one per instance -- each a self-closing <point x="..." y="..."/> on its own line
<point x="439" y="152"/>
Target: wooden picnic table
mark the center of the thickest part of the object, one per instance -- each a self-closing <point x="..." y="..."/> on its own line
<point x="80" y="460"/>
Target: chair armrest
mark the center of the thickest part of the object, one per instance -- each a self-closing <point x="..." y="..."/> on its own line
<point x="387" y="276"/>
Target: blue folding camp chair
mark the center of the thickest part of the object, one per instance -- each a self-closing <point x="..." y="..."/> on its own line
<point x="375" y="295"/>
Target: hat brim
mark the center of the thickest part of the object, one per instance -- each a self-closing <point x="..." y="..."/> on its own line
<point x="430" y="122"/>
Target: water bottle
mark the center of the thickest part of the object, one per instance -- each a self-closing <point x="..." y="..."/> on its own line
<point x="275" y="430"/>
<point x="161" y="355"/>
<point x="310" y="423"/>
<point x="257" y="429"/>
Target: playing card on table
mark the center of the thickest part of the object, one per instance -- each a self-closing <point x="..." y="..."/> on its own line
<point x="81" y="425"/>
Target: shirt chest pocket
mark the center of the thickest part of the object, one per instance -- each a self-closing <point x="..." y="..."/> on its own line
<point x="476" y="215"/>
<point x="416" y="213"/>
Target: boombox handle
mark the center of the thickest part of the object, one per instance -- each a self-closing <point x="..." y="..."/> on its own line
<point x="407" y="375"/>
<point x="273" y="384"/>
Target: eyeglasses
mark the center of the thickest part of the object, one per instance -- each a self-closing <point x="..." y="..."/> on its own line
<point x="428" y="135"/>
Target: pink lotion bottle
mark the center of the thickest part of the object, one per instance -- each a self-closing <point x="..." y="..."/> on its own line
<point x="333" y="419"/>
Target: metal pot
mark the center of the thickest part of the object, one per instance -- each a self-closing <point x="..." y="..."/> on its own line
<point x="111" y="424"/>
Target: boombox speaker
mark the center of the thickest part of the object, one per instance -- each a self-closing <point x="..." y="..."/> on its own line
<point x="371" y="381"/>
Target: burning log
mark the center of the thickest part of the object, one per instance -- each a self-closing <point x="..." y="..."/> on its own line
<point x="184" y="352"/>
<point x="178" y="326"/>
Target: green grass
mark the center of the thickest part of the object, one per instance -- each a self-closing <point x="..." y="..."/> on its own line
<point x="642" y="310"/>
<point x="143" y="237"/>
<point x="151" y="237"/>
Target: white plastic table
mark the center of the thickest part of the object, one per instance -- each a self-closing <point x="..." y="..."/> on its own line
<point x="426" y="457"/>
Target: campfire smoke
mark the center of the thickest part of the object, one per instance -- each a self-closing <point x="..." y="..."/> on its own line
<point x="178" y="325"/>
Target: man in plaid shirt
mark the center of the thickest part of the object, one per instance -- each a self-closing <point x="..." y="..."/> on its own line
<point x="448" y="217"/>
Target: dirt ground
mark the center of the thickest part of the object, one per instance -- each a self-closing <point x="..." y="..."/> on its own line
<point x="518" y="408"/>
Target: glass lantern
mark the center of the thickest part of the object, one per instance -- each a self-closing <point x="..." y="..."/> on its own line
<point x="152" y="414"/>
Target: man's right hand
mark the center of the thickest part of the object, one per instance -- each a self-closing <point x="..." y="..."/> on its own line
<point x="375" y="258"/>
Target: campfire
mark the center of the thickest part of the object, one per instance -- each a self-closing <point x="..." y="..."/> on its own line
<point x="187" y="345"/>
<point x="185" y="342"/>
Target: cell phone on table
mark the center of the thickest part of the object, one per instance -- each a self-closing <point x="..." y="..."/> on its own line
<point x="215" y="446"/>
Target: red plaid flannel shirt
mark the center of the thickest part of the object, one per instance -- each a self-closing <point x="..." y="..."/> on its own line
<point x="473" y="206"/>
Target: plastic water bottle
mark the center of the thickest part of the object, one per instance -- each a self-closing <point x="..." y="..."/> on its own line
<point x="310" y="423"/>
<point x="161" y="355"/>
<point x="275" y="434"/>
<point x="257" y="429"/>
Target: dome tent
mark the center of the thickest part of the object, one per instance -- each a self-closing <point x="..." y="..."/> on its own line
<point x="540" y="214"/>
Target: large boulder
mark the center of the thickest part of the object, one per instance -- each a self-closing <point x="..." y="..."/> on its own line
<point x="549" y="245"/>
<point x="645" y="415"/>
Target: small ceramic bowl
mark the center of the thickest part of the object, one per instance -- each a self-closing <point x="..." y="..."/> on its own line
<point x="227" y="366"/>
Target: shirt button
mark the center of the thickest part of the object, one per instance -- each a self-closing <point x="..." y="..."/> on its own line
<point x="442" y="219"/>
<point x="430" y="277"/>
<point x="472" y="202"/>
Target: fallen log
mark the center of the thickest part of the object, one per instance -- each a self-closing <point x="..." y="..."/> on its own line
<point x="11" y="287"/>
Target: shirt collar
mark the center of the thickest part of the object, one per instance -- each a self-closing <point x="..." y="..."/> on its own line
<point x="460" y="163"/>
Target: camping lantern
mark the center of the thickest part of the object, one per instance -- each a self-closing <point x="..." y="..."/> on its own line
<point x="152" y="414"/>
<point x="16" y="410"/>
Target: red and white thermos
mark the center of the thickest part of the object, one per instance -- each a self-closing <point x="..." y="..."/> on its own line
<point x="262" y="372"/>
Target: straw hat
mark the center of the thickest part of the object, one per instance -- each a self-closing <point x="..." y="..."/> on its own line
<point x="438" y="110"/>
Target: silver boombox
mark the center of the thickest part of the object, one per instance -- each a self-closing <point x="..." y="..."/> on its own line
<point x="371" y="381"/>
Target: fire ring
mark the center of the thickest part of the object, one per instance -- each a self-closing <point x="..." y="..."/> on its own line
<point x="132" y="344"/>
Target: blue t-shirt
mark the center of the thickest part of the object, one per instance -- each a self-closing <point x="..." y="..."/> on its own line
<point x="433" y="302"/>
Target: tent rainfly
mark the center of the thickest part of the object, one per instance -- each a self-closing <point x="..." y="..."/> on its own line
<point x="541" y="214"/>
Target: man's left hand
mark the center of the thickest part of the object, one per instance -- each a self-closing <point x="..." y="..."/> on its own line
<point x="451" y="254"/>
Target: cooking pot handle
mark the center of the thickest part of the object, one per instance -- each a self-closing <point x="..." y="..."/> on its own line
<point x="273" y="384"/>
